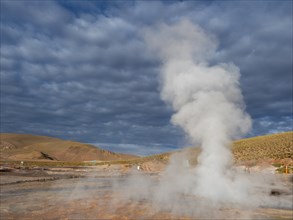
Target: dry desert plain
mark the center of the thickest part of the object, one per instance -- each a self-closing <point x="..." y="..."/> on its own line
<point x="54" y="189"/>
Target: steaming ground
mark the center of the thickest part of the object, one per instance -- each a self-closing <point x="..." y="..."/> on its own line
<point x="174" y="191"/>
<point x="116" y="193"/>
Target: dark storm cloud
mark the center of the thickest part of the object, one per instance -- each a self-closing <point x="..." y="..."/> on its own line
<point x="82" y="71"/>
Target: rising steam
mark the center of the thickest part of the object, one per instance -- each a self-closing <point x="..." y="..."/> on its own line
<point x="207" y="101"/>
<point x="209" y="107"/>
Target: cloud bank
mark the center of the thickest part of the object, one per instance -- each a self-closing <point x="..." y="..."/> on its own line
<point x="82" y="71"/>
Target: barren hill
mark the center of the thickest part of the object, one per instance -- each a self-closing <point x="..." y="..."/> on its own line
<point x="32" y="147"/>
<point x="274" y="146"/>
<point x="269" y="147"/>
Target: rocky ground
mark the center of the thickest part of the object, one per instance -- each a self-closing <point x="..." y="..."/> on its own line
<point x="95" y="193"/>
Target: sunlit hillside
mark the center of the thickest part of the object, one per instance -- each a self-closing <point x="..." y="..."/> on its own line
<point x="32" y="147"/>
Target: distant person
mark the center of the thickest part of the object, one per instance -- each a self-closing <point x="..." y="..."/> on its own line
<point x="247" y="169"/>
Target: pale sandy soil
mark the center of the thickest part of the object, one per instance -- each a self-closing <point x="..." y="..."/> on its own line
<point x="92" y="193"/>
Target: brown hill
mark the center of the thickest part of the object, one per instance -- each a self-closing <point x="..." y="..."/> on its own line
<point x="274" y="146"/>
<point x="269" y="147"/>
<point x="32" y="147"/>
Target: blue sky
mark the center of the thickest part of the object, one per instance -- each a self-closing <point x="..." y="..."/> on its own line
<point x="80" y="70"/>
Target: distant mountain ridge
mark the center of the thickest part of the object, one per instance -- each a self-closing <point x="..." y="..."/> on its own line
<point x="34" y="147"/>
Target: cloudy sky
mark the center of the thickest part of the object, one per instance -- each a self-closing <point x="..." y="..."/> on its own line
<point x="81" y="70"/>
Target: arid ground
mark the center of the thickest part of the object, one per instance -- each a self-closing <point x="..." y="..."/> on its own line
<point x="96" y="193"/>
<point x="39" y="182"/>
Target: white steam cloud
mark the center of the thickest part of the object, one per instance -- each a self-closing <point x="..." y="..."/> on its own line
<point x="209" y="107"/>
<point x="207" y="101"/>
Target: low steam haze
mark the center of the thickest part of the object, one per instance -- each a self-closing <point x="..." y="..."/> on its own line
<point x="87" y="71"/>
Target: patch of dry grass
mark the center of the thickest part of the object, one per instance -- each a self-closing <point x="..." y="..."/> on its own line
<point x="276" y="146"/>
